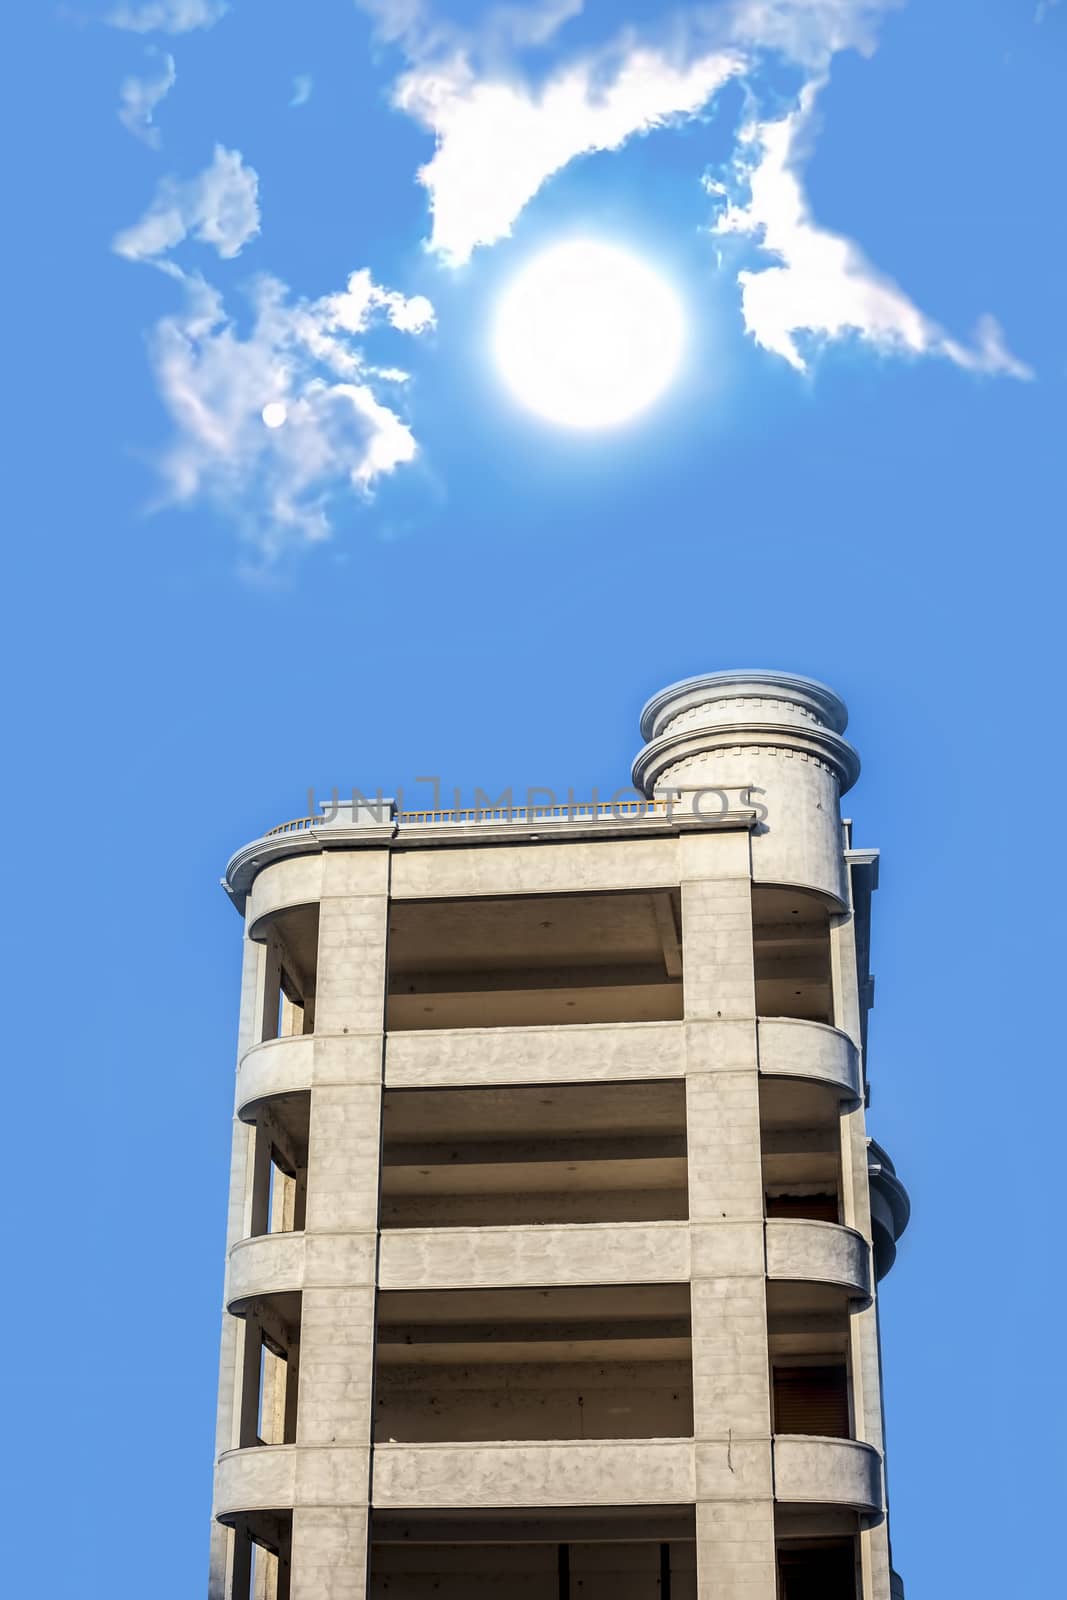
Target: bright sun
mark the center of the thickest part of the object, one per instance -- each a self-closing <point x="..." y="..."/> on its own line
<point x="588" y="335"/>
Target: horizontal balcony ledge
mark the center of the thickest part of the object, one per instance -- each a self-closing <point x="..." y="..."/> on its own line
<point x="296" y="1064"/>
<point x="380" y="826"/>
<point x="281" y="1263"/>
<point x="804" y="1250"/>
<point x="277" y="1477"/>
<point x="815" y="1471"/>
<point x="792" y="1047"/>
<point x="576" y="1052"/>
<point x="539" y="1473"/>
<point x="534" y="1256"/>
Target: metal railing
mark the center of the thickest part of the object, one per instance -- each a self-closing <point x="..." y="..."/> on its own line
<point x="297" y="825"/>
<point x="577" y="811"/>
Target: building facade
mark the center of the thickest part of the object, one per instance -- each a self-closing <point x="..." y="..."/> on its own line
<point x="555" y="1226"/>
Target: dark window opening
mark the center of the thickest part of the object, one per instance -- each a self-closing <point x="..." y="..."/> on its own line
<point x="812" y="1400"/>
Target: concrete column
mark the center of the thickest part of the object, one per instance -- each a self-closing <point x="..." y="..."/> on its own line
<point x="863" y="1323"/>
<point x="731" y="1391"/>
<point x="335" y="1403"/>
<point x="220" y="1571"/>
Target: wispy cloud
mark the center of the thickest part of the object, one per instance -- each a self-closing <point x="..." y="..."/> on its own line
<point x="819" y="286"/>
<point x="302" y="86"/>
<point x="220" y="207"/>
<point x="501" y="135"/>
<point x="167" y="16"/>
<point x="498" y="141"/>
<point x="423" y="32"/>
<point x="139" y="97"/>
<point x="277" y="427"/>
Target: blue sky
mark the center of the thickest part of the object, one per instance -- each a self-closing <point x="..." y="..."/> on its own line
<point x="857" y="474"/>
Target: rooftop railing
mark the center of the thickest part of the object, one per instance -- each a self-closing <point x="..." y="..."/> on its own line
<point x="577" y="811"/>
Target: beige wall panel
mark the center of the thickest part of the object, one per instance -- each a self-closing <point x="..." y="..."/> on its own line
<point x="288" y="1066"/>
<point x="723" y="1133"/>
<point x="793" y="1048"/>
<point x="336" y="1367"/>
<point x="717" y="949"/>
<point x="261" y="1478"/>
<point x="714" y="855"/>
<point x="827" y="1472"/>
<point x="577" y="868"/>
<point x="576" y="1473"/>
<point x="598" y="1051"/>
<point x="454" y="1258"/>
<point x="724" y="1249"/>
<point x="806" y="1251"/>
<point x="294" y="881"/>
<point x="720" y="1045"/>
<point x="355" y="873"/>
<point x="731" y="1394"/>
<point x="343" y="1152"/>
<point x="277" y="1262"/>
<point x="329" y="1557"/>
<point x="732" y="1469"/>
<point x="735" y="1550"/>
<point x="350" y="993"/>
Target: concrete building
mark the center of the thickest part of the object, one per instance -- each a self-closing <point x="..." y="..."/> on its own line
<point x="554" y="1221"/>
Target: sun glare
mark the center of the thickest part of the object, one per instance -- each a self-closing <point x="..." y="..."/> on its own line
<point x="588" y="335"/>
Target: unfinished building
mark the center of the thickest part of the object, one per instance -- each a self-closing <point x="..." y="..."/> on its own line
<point x="555" y="1227"/>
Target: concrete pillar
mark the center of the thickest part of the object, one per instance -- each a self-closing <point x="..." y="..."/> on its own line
<point x="220" y="1570"/>
<point x="864" y="1358"/>
<point x="731" y="1391"/>
<point x="335" y="1405"/>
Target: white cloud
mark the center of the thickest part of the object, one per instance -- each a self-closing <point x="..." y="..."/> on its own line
<point x="220" y="207"/>
<point x="302" y="86"/>
<point x="168" y="16"/>
<point x="820" y="285"/>
<point x="422" y="32"/>
<point x="139" y="97"/>
<point x="498" y="139"/>
<point x="274" y="427"/>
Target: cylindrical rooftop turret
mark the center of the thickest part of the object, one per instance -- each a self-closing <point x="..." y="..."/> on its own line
<point x="777" y="736"/>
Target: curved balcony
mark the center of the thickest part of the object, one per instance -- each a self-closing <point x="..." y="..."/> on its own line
<point x="299" y="1063"/>
<point x="827" y="1472"/>
<point x="279" y="1263"/>
<point x="586" y="1052"/>
<point x="551" y="1473"/>
<point x="890" y="1207"/>
<point x="280" y="885"/>
<point x="802" y="1250"/>
<point x="274" y="1477"/>
<point x="790" y="1047"/>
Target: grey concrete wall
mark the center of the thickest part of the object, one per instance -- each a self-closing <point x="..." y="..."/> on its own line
<point x="446" y="1258"/>
<point x="589" y="1473"/>
<point x="577" y="868"/>
<point x="827" y="1471"/>
<point x="805" y="1251"/>
<point x="731" y="1399"/>
<point x="334" y="1417"/>
<point x="462" y="1058"/>
<point x="863" y="1324"/>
